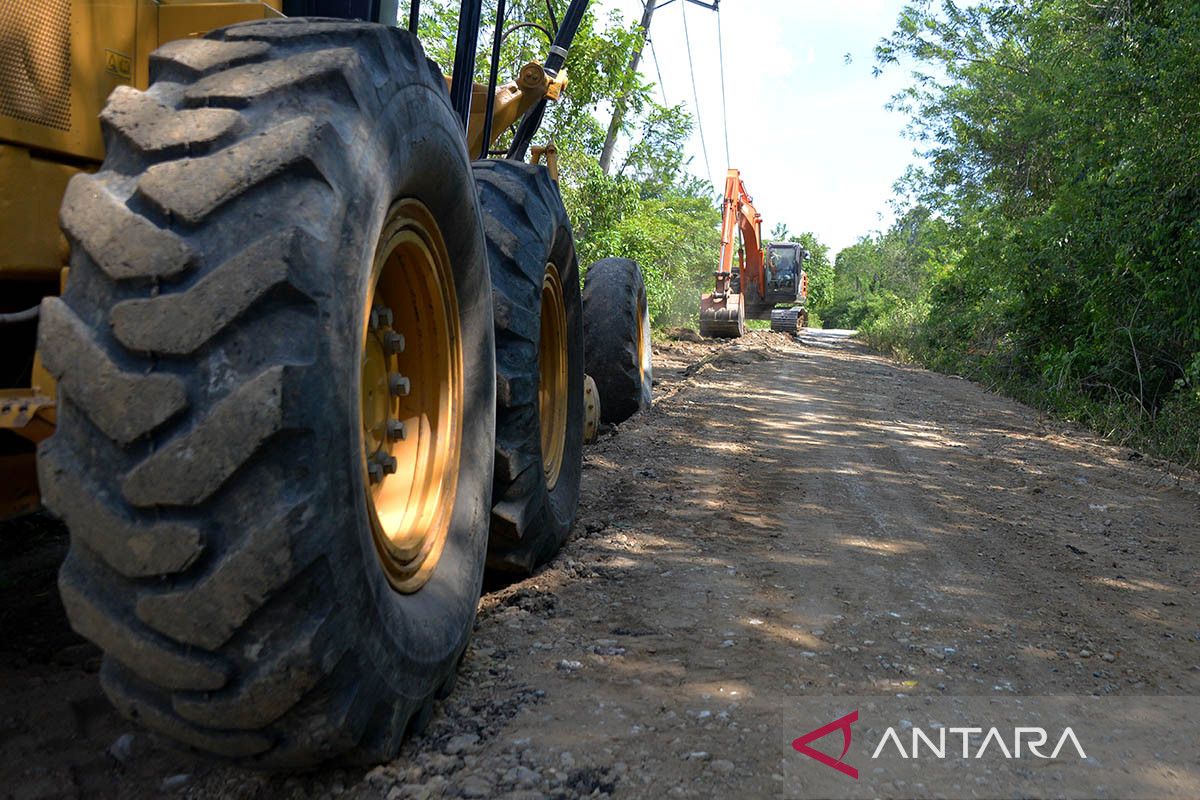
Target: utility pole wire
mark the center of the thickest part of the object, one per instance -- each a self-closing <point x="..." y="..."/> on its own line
<point x="662" y="87"/>
<point x="695" y="94"/>
<point x="724" y="107"/>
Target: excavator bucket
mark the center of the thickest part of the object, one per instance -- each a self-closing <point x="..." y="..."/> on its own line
<point x="722" y="317"/>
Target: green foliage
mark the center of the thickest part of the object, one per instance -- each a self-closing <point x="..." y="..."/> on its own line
<point x="896" y="267"/>
<point x="819" y="269"/>
<point x="650" y="209"/>
<point x="673" y="237"/>
<point x="1052" y="247"/>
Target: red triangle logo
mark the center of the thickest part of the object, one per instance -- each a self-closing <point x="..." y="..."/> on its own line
<point x="843" y="724"/>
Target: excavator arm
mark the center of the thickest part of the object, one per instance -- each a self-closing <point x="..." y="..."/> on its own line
<point x="741" y="217"/>
<point x="723" y="312"/>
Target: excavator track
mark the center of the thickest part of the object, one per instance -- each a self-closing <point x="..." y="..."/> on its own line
<point x="788" y="320"/>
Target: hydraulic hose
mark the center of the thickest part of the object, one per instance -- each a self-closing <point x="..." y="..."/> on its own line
<point x="16" y="317"/>
<point x="554" y="62"/>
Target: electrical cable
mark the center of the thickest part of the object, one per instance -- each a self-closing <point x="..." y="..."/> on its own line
<point x="695" y="94"/>
<point x="16" y="317"/>
<point x="511" y="29"/>
<point x="724" y="107"/>
<point x="662" y="87"/>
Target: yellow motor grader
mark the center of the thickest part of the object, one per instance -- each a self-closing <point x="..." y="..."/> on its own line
<point x="306" y="356"/>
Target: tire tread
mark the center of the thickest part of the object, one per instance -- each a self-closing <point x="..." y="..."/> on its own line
<point x="218" y="634"/>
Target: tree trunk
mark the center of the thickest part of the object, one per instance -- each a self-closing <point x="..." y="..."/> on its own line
<point x="614" y="125"/>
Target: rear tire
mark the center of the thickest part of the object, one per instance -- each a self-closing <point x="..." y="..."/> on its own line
<point x="616" y="333"/>
<point x="209" y="457"/>
<point x="539" y="364"/>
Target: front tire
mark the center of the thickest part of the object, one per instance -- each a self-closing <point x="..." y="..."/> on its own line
<point x="258" y="593"/>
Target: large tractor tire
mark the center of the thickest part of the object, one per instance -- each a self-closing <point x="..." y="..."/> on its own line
<point x="539" y="364"/>
<point x="616" y="332"/>
<point x="277" y="403"/>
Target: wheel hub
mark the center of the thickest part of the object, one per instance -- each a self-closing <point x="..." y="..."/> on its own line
<point x="411" y="396"/>
<point x="642" y="334"/>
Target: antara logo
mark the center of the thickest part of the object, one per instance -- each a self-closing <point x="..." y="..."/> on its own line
<point x="1033" y="739"/>
<point x="843" y="724"/>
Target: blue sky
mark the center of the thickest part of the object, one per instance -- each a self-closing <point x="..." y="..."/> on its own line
<point x="816" y="147"/>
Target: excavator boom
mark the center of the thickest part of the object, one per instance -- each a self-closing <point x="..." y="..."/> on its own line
<point x="741" y="217"/>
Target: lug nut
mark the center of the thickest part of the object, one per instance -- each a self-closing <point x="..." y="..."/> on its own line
<point x="399" y="384"/>
<point x="397" y="430"/>
<point x="374" y="471"/>
<point x="386" y="463"/>
<point x="393" y="343"/>
<point x="381" y="317"/>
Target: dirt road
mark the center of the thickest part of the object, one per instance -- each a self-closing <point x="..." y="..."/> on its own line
<point x="793" y="519"/>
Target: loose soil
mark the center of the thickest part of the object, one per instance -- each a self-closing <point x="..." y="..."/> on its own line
<point x="795" y="517"/>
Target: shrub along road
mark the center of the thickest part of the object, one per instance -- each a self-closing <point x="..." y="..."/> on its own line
<point x="792" y="519"/>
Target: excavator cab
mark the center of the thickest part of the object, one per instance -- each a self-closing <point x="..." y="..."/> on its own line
<point x="785" y="273"/>
<point x="786" y="285"/>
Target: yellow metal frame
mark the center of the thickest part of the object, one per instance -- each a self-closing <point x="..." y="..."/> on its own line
<point x="111" y="42"/>
<point x="513" y="99"/>
<point x="548" y="152"/>
<point x="33" y="187"/>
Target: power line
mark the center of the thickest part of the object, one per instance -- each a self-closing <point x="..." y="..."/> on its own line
<point x="662" y="87"/>
<point x="695" y="94"/>
<point x="724" y="108"/>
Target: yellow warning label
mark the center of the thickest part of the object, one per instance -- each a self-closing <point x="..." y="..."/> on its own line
<point x="118" y="64"/>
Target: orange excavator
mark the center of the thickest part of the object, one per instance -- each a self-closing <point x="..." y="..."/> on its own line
<point x="767" y="275"/>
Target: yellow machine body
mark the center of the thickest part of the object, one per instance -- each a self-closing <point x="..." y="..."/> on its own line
<point x="59" y="60"/>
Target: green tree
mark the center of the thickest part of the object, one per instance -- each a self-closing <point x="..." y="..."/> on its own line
<point x="819" y="269"/>
<point x="1061" y="146"/>
<point x="650" y="209"/>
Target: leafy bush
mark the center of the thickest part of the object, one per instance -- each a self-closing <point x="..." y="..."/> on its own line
<point x="1052" y="248"/>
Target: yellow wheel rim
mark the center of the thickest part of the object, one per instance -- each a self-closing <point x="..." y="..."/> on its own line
<point x="552" y="375"/>
<point x="641" y="336"/>
<point x="411" y="396"/>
